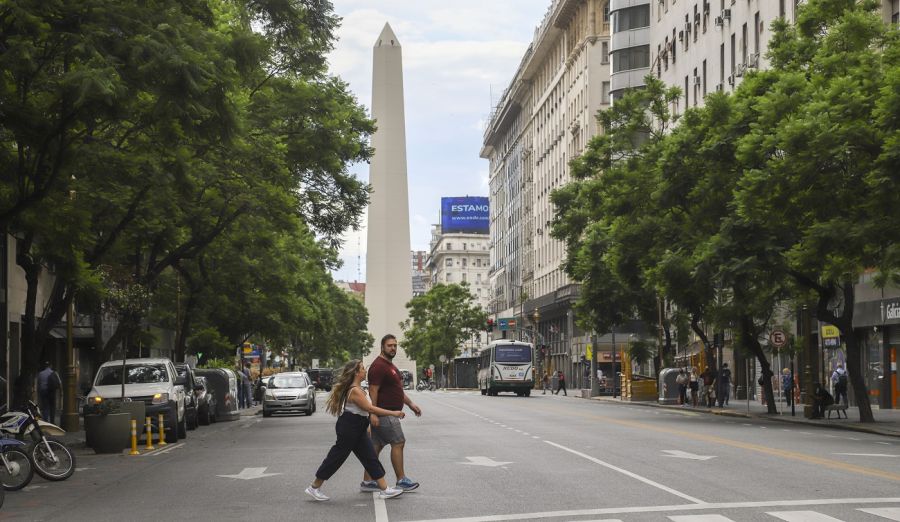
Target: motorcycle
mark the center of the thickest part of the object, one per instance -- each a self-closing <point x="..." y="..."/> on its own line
<point x="426" y="385"/>
<point x="51" y="458"/>
<point x="16" y="470"/>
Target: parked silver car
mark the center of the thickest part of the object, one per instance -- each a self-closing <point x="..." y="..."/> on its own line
<point x="289" y="391"/>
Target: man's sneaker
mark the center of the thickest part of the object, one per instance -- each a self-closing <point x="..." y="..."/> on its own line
<point x="390" y="493"/>
<point x="369" y="486"/>
<point x="406" y="484"/>
<point x="316" y="494"/>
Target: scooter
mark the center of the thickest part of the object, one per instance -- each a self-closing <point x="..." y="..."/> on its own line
<point x="51" y="458"/>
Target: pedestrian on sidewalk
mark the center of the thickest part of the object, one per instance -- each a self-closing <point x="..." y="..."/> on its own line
<point x="682" y="380"/>
<point x="694" y="385"/>
<point x="787" y="386"/>
<point x="562" y="384"/>
<point x="724" y="385"/>
<point x="386" y="391"/>
<point x="821" y="400"/>
<point x="839" y="384"/>
<point x="48" y="385"/>
<point x="352" y="407"/>
<point x="709" y="386"/>
<point x="546" y="383"/>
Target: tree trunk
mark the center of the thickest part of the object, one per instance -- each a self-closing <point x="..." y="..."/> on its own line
<point x="23" y="389"/>
<point x="844" y="322"/>
<point x="750" y="340"/>
<point x="707" y="347"/>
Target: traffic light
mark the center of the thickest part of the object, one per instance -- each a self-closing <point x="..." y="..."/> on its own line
<point x="490" y="324"/>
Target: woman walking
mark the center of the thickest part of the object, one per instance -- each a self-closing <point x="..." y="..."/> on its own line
<point x="349" y="401"/>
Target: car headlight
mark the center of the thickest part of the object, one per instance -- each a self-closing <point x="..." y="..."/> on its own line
<point x="270" y="396"/>
<point x="302" y="394"/>
<point x="160" y="398"/>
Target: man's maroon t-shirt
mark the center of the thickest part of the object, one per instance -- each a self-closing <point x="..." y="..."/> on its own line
<point x="390" y="386"/>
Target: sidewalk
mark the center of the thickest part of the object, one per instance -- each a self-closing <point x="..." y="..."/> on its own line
<point x="887" y="422"/>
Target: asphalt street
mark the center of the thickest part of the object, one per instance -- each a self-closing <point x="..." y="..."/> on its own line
<point x="542" y="457"/>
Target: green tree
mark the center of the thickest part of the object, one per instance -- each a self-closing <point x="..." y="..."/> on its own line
<point x="440" y="321"/>
<point x="819" y="176"/>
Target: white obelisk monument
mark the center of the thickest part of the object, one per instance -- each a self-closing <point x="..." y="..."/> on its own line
<point x="388" y="265"/>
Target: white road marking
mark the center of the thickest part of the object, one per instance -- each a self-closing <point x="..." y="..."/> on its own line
<point x="30" y="488"/>
<point x="535" y="437"/>
<point x="162" y="449"/>
<point x="676" y="507"/>
<point x="890" y="513"/>
<point x="802" y="516"/>
<point x="869" y="455"/>
<point x="250" y="474"/>
<point x="885" y="443"/>
<point x="380" y="508"/>
<point x="484" y="461"/>
<point x="83" y="469"/>
<point x="628" y="473"/>
<point x="678" y="454"/>
<point x="700" y="518"/>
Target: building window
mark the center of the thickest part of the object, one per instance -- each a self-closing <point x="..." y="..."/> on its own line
<point x="631" y="18"/>
<point x="464" y="277"/>
<point x="449" y="277"/>
<point x="704" y="78"/>
<point x="744" y="44"/>
<point x="687" y="98"/>
<point x="478" y="277"/>
<point x="606" y="12"/>
<point x="449" y="246"/>
<point x="631" y="58"/>
<point x="732" y="54"/>
<point x="464" y="260"/>
<point x="722" y="64"/>
<point x="756" y="30"/>
<point x="604" y="93"/>
<point x="449" y="261"/>
<point x="604" y="52"/>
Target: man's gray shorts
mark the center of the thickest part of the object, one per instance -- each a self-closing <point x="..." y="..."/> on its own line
<point x="388" y="432"/>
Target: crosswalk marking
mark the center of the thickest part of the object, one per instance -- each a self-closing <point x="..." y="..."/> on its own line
<point x="700" y="518"/>
<point x="891" y="513"/>
<point x="802" y="516"/>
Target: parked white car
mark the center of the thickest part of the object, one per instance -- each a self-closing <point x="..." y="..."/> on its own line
<point x="152" y="381"/>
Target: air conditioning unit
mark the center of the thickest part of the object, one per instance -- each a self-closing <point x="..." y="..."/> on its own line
<point x="731" y="80"/>
<point x="739" y="70"/>
<point x="754" y="60"/>
<point x="719" y="21"/>
<point x="696" y="80"/>
<point x="726" y="14"/>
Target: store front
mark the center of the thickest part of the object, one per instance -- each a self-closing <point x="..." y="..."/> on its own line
<point x="877" y="322"/>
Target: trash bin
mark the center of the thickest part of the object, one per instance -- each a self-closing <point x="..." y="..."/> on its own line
<point x="223" y="383"/>
<point x="668" y="388"/>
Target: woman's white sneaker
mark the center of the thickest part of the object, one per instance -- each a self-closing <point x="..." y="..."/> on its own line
<point x="316" y="494"/>
<point x="390" y="493"/>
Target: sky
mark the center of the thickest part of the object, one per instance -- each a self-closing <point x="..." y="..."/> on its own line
<point x="458" y="57"/>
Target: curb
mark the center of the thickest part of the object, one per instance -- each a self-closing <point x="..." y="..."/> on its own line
<point x="779" y="418"/>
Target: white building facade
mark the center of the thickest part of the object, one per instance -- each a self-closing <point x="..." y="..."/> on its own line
<point x="545" y="118"/>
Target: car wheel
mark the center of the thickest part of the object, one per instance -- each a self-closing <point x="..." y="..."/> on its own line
<point x="310" y="408"/>
<point x="266" y="413"/>
<point x="203" y="416"/>
<point x="171" y="425"/>
<point x="182" y="427"/>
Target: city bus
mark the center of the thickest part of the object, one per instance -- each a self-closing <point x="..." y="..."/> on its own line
<point x="506" y="365"/>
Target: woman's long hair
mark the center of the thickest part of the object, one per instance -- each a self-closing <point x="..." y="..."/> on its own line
<point x="341" y="388"/>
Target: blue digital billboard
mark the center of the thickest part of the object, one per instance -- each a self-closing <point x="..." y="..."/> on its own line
<point x="467" y="214"/>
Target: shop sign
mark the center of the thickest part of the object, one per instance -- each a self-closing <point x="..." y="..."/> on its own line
<point x="830" y="331"/>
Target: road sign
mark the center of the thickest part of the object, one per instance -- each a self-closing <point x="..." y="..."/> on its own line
<point x="507" y="323"/>
<point x="442" y="358"/>
<point x="778" y="338"/>
<point x="431" y="366"/>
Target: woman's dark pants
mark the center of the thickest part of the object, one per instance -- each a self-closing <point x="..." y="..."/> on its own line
<point x="352" y="437"/>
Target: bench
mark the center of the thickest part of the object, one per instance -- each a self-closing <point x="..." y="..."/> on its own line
<point x="838" y="408"/>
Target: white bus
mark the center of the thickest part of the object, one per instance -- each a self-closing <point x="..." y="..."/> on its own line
<point x="506" y="365"/>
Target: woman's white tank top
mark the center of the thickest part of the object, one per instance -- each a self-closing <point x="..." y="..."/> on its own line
<point x="353" y="408"/>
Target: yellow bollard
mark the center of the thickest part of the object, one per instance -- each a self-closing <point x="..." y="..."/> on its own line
<point x="162" y="431"/>
<point x="134" y="450"/>
<point x="149" y="435"/>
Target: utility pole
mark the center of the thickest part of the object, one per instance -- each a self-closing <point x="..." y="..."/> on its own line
<point x="615" y="375"/>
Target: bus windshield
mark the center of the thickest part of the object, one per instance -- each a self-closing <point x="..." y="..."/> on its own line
<point x="513" y="354"/>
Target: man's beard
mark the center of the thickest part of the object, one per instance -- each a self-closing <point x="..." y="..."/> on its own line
<point x="390" y="356"/>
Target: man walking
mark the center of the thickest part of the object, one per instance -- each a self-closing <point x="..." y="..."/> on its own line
<point x="562" y="384"/>
<point x="49" y="383"/>
<point x="386" y="392"/>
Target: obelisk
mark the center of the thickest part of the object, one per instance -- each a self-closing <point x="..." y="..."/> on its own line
<point x="388" y="266"/>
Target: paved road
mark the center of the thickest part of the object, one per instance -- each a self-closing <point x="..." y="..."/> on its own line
<point x="498" y="458"/>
